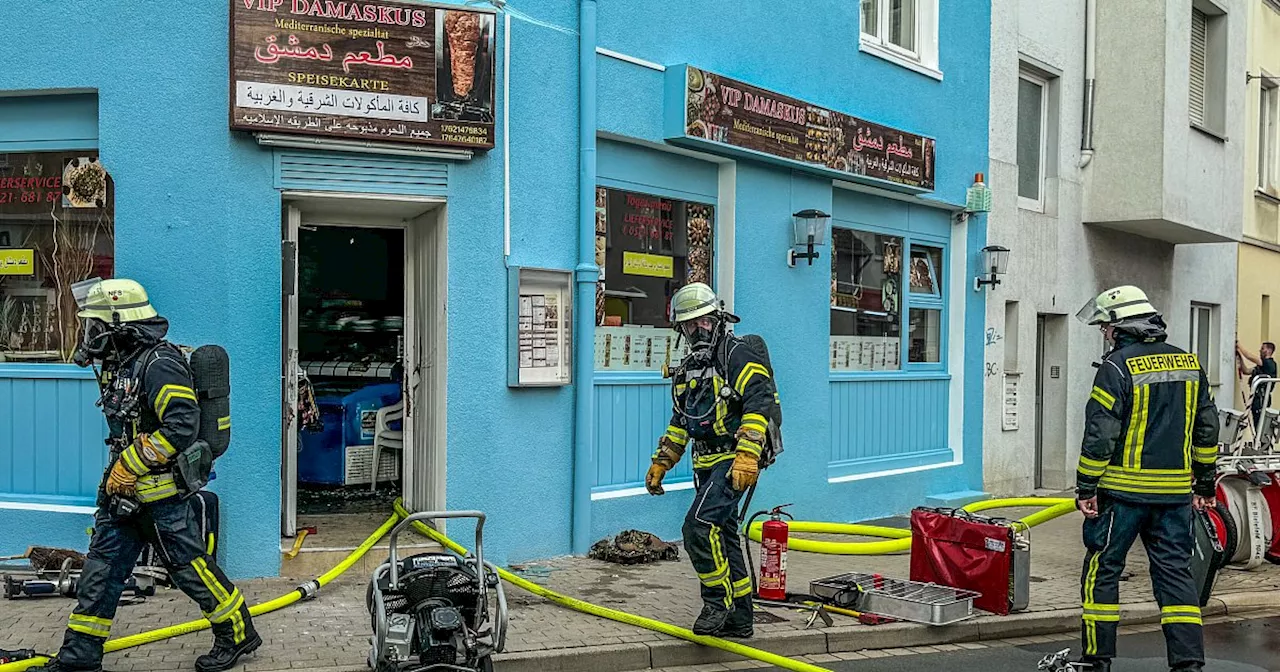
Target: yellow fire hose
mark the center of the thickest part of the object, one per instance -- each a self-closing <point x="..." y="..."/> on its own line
<point x="898" y="539"/>
<point x="619" y="616"/>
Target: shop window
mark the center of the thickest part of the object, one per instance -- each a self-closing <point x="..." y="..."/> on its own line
<point x="925" y="336"/>
<point x="866" y="300"/>
<point x="57" y="227"/>
<point x="647" y="247"/>
<point x="926" y="261"/>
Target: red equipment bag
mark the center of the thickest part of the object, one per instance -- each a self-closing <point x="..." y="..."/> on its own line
<point x="952" y="547"/>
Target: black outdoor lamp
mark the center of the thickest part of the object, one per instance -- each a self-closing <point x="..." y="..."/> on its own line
<point x="808" y="230"/>
<point x="995" y="258"/>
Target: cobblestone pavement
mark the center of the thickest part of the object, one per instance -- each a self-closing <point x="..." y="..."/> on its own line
<point x="332" y="631"/>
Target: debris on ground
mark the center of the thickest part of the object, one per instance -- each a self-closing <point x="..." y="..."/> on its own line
<point x="633" y="547"/>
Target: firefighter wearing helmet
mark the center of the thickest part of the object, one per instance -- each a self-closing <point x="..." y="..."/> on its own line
<point x="1149" y="455"/>
<point x="152" y="417"/>
<point x="725" y="404"/>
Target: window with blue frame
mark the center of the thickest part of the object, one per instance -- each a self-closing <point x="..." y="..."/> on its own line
<point x="886" y="298"/>
<point x="647" y="247"/>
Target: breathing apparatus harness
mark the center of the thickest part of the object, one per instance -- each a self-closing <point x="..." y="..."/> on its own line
<point x="707" y="356"/>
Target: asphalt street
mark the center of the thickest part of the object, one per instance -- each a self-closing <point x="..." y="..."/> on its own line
<point x="1241" y="646"/>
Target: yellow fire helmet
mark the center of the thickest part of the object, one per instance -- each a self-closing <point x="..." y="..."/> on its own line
<point x="112" y="301"/>
<point x="693" y="301"/>
<point x="1116" y="305"/>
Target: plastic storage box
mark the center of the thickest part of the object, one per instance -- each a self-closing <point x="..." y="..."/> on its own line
<point x="332" y="455"/>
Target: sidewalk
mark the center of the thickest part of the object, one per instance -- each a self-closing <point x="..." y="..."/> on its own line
<point x="332" y="632"/>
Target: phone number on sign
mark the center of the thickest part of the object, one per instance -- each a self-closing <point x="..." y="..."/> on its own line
<point x="30" y="197"/>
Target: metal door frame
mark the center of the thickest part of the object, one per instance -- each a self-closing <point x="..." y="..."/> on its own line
<point x="1042" y="331"/>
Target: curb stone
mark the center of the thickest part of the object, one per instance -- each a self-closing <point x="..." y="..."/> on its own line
<point x="846" y="639"/>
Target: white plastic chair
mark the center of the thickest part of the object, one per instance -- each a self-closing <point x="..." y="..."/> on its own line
<point x="385" y="437"/>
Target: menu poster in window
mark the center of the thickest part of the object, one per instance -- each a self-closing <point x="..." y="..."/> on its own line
<point x="391" y="72"/>
<point x="542" y="348"/>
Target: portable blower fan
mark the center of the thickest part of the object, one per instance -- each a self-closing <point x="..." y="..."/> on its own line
<point x="430" y="612"/>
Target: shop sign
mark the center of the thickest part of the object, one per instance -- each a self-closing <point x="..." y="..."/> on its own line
<point x="17" y="262"/>
<point x="385" y="71"/>
<point x="706" y="109"/>
<point x="650" y="265"/>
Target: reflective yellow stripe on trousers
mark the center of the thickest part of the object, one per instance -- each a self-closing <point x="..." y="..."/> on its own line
<point x="93" y="626"/>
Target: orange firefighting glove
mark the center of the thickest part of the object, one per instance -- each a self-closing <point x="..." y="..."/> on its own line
<point x="746" y="463"/>
<point x="664" y="459"/>
<point x="121" y="481"/>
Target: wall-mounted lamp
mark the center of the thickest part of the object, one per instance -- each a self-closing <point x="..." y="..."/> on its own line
<point x="995" y="258"/>
<point x="808" y="230"/>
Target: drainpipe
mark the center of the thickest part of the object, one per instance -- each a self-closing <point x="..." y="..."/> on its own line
<point x="586" y="275"/>
<point x="1090" y="49"/>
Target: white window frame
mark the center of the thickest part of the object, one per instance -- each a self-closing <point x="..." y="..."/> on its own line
<point x="924" y="59"/>
<point x="1037" y="204"/>
<point x="1269" y="134"/>
<point x="1199" y="312"/>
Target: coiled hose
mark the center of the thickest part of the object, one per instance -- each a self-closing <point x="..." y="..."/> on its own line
<point x="899" y="540"/>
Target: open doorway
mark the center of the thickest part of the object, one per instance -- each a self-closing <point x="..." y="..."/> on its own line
<point x="351" y="314"/>
<point x="362" y="301"/>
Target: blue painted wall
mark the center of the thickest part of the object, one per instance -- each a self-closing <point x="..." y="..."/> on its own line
<point x="829" y="422"/>
<point x="184" y="181"/>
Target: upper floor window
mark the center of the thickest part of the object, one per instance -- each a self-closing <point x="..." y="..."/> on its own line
<point x="902" y="31"/>
<point x="1033" y="116"/>
<point x="1208" y="68"/>
<point x="1269" y="135"/>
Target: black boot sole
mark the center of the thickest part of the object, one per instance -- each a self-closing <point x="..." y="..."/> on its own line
<point x="248" y="648"/>
<point x="737" y="633"/>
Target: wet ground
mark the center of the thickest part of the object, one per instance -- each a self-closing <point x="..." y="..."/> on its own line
<point x="1241" y="646"/>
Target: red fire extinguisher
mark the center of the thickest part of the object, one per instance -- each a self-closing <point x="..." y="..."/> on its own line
<point x="773" y="555"/>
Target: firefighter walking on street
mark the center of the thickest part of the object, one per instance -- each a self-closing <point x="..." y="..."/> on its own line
<point x="725" y="404"/>
<point x="1149" y="455"/>
<point x="153" y="415"/>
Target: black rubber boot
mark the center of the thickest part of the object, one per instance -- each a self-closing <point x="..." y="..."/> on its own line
<point x="711" y="621"/>
<point x="225" y="655"/>
<point x="1099" y="665"/>
<point x="741" y="623"/>
<point x="1193" y="667"/>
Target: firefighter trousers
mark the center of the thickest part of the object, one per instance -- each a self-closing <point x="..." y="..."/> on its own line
<point x="1166" y="534"/>
<point x="711" y="540"/>
<point x="113" y="550"/>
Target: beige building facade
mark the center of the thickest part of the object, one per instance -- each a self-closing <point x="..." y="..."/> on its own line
<point x="1259" y="253"/>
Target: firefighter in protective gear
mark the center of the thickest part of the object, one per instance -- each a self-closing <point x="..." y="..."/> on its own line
<point x="1149" y="455"/>
<point x="152" y="416"/>
<point x="723" y="397"/>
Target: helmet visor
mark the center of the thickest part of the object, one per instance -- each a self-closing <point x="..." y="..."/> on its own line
<point x="1090" y="314"/>
<point x="80" y="291"/>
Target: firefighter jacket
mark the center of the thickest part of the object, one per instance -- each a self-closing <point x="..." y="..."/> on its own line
<point x="152" y="414"/>
<point x="722" y="403"/>
<point x="1151" y="428"/>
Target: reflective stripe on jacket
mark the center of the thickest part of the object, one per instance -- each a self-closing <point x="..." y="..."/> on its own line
<point x="1151" y="427"/>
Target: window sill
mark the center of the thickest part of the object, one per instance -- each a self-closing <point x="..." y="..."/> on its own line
<point x="1211" y="133"/>
<point x="1266" y="196"/>
<point x="837" y="376"/>
<point x="1030" y="205"/>
<point x="898" y="59"/>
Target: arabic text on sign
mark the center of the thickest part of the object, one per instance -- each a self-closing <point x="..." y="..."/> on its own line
<point x="306" y="99"/>
<point x="17" y="262"/>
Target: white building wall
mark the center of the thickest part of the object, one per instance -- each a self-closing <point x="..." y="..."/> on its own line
<point x="1057" y="262"/>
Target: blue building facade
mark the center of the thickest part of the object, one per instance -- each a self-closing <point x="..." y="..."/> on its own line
<point x="878" y="356"/>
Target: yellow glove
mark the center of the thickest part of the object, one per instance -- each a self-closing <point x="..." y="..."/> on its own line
<point x="669" y="453"/>
<point x="121" y="481"/>
<point x="653" y="479"/>
<point x="746" y="464"/>
<point x="745" y="470"/>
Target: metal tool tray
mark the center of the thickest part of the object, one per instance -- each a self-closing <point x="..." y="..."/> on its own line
<point x="927" y="603"/>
